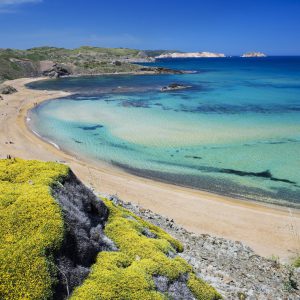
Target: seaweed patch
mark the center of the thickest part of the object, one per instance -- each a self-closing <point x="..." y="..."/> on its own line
<point x="90" y="127"/>
<point x="265" y="174"/>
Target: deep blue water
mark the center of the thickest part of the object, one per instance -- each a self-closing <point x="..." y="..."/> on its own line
<point x="236" y="131"/>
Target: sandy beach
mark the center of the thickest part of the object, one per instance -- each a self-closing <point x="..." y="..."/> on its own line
<point x="268" y="230"/>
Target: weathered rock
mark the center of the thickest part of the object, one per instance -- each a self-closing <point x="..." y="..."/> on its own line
<point x="7" y="89"/>
<point x="174" y="87"/>
<point x="56" y="71"/>
<point x="84" y="218"/>
<point x="233" y="268"/>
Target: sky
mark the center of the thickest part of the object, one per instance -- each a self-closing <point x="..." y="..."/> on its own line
<point x="227" y="26"/>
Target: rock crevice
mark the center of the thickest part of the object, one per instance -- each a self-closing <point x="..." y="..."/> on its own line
<point x="84" y="217"/>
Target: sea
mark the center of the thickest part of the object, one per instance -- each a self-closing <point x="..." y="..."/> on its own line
<point x="234" y="131"/>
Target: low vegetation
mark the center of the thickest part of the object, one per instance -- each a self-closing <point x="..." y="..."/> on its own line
<point x="84" y="60"/>
<point x="33" y="230"/>
<point x="145" y="251"/>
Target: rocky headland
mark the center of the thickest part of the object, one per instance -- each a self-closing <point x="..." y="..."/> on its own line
<point x="189" y="55"/>
<point x="254" y="54"/>
<point x="57" y="62"/>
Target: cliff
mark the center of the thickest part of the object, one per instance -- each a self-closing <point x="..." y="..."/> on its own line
<point x="189" y="55"/>
<point x="254" y="54"/>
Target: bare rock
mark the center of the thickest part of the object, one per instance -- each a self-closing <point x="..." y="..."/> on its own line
<point x="56" y="71"/>
<point x="7" y="90"/>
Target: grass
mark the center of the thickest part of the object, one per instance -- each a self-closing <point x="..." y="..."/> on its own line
<point x="128" y="273"/>
<point x="31" y="228"/>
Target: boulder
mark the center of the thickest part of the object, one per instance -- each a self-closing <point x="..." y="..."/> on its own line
<point x="7" y="89"/>
<point x="56" y="71"/>
<point x="1" y="98"/>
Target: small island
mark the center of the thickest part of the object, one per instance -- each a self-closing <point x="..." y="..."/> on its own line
<point x="174" y="87"/>
<point x="254" y="54"/>
<point x="189" y="55"/>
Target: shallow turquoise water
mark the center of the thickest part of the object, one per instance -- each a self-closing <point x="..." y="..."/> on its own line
<point x="235" y="132"/>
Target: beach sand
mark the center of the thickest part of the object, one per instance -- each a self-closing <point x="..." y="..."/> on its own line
<point x="269" y="230"/>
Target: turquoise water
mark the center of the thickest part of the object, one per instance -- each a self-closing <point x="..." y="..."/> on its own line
<point x="236" y="131"/>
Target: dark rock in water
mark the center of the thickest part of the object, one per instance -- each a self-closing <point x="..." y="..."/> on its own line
<point x="193" y="156"/>
<point x="174" y="87"/>
<point x="90" y="127"/>
<point x="7" y="90"/>
<point x="56" y="71"/>
<point x="264" y="174"/>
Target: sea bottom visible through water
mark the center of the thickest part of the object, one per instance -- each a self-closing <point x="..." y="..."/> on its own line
<point x="235" y="131"/>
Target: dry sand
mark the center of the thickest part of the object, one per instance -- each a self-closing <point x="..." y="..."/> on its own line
<point x="268" y="230"/>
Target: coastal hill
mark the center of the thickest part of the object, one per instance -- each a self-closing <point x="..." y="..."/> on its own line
<point x="59" y="241"/>
<point x="56" y="62"/>
<point x="189" y="55"/>
<point x="254" y="54"/>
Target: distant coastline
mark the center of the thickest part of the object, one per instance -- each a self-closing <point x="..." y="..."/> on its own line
<point x="254" y="54"/>
<point x="189" y="55"/>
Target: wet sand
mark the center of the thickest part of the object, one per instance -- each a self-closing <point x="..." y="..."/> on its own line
<point x="269" y="230"/>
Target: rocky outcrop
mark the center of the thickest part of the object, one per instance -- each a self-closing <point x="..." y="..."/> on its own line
<point x="7" y="89"/>
<point x="84" y="217"/>
<point x="56" y="71"/>
<point x="174" y="87"/>
<point x="161" y="70"/>
<point x="189" y="55"/>
<point x="234" y="269"/>
<point x="254" y="54"/>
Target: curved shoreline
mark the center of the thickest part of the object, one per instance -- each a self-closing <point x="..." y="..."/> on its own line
<point x="268" y="230"/>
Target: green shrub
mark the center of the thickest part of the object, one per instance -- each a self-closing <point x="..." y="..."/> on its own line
<point x="127" y="273"/>
<point x="297" y="262"/>
<point x="31" y="228"/>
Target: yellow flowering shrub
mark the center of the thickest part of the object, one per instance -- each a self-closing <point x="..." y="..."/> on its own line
<point x="31" y="227"/>
<point x="127" y="273"/>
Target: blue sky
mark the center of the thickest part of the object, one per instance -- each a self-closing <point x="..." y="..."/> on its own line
<point x="228" y="26"/>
